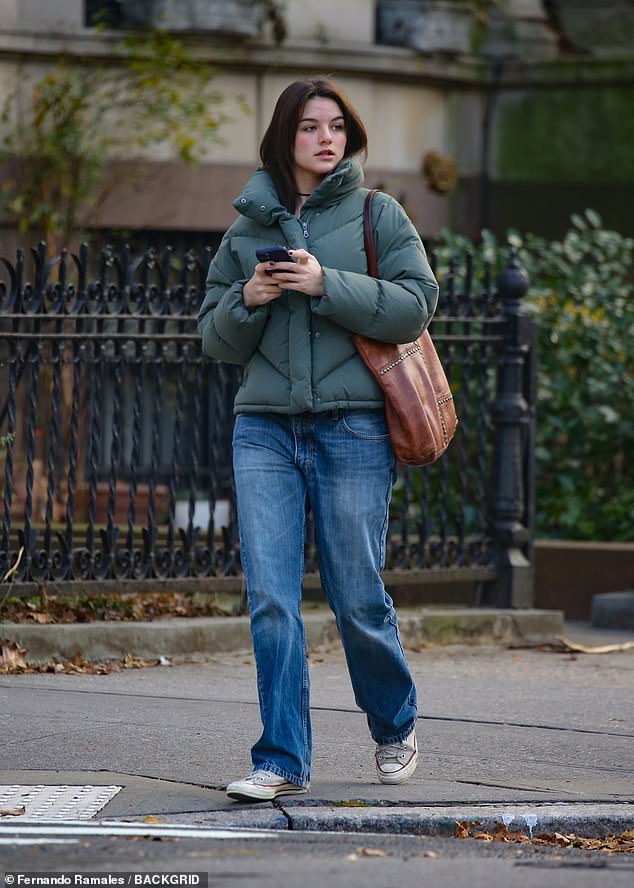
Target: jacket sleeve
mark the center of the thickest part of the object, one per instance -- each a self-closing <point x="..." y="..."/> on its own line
<point x="398" y="305"/>
<point x="230" y="331"/>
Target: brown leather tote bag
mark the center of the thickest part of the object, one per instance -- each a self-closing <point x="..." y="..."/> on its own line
<point x="419" y="406"/>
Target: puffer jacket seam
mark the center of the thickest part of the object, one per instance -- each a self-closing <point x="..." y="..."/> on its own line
<point x="270" y="363"/>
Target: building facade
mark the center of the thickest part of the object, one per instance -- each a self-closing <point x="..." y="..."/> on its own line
<point x="490" y="114"/>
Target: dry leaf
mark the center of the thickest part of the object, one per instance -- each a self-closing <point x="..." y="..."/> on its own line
<point x="14" y="568"/>
<point x="463" y="828"/>
<point x="594" y="649"/>
<point x="110" y="606"/>
<point x="12" y="660"/>
<point x="623" y="843"/>
<point x="371" y="852"/>
<point x="564" y="840"/>
<point x="12" y="657"/>
<point x="485" y="836"/>
<point x="150" y="818"/>
<point x="12" y="812"/>
<point x="429" y="854"/>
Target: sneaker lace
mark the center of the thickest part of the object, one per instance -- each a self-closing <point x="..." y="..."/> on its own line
<point x="258" y="776"/>
<point x="391" y="752"/>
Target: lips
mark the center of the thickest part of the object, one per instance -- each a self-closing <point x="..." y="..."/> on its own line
<point x="326" y="154"/>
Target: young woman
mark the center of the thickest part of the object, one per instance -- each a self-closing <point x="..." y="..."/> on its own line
<point x="310" y="429"/>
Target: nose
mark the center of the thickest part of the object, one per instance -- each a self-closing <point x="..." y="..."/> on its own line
<point x="326" y="135"/>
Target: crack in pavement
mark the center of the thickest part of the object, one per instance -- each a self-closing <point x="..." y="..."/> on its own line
<point x="284" y="813"/>
<point x="429" y="718"/>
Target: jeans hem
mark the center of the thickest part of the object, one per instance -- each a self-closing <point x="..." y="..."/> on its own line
<point x="275" y="769"/>
<point x="396" y="738"/>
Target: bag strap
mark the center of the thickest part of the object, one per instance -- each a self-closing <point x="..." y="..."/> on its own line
<point x="368" y="235"/>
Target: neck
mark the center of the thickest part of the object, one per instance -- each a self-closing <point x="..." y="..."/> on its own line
<point x="305" y="184"/>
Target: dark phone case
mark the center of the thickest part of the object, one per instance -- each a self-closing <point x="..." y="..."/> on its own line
<point x="276" y="253"/>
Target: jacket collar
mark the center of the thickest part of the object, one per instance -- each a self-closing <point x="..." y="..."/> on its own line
<point x="259" y="200"/>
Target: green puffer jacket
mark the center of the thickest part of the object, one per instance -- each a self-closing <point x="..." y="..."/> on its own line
<point x="297" y="351"/>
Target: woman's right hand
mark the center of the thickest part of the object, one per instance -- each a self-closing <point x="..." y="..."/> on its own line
<point x="262" y="287"/>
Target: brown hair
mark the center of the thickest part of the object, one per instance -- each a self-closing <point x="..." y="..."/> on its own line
<point x="277" y="146"/>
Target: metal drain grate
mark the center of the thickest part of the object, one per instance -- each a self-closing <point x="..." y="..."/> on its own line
<point x="57" y="802"/>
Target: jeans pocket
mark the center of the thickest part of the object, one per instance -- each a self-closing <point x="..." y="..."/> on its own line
<point x="368" y="424"/>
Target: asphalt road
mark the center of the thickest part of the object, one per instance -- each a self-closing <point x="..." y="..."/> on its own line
<point x="317" y="860"/>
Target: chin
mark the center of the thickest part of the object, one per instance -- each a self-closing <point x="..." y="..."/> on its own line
<point x="327" y="166"/>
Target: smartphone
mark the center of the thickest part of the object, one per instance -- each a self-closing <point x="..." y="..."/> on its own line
<point x="276" y="253"/>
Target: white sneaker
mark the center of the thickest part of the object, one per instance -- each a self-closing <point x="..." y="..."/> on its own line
<point x="262" y="786"/>
<point x="396" y="762"/>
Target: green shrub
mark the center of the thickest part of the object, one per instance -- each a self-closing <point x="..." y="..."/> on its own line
<point x="582" y="296"/>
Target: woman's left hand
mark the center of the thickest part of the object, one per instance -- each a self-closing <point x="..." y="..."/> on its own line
<point x="305" y="275"/>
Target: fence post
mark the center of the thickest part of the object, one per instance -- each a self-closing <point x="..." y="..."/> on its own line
<point x="513" y="455"/>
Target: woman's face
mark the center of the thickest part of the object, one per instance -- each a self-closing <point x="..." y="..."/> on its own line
<point x="320" y="142"/>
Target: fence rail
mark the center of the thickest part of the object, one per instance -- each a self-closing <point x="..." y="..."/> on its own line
<point x="116" y="464"/>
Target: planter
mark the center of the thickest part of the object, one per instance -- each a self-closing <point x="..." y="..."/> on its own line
<point x="233" y="18"/>
<point x="425" y="25"/>
<point x="569" y="573"/>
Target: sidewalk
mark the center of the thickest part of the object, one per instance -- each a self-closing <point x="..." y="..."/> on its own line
<point x="538" y="740"/>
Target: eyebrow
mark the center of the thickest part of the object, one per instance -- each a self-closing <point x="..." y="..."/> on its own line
<point x="315" y="120"/>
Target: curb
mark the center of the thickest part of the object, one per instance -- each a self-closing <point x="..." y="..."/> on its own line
<point x="416" y="824"/>
<point x="589" y="820"/>
<point x="532" y="820"/>
<point x="205" y="636"/>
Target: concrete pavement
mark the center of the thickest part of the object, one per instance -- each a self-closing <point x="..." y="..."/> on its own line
<point x="539" y="740"/>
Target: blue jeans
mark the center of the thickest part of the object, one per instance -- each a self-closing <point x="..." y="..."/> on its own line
<point x="341" y="464"/>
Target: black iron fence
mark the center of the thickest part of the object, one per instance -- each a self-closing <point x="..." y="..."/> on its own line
<point x="116" y="455"/>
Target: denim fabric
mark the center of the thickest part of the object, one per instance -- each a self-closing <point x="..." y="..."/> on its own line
<point x="340" y="464"/>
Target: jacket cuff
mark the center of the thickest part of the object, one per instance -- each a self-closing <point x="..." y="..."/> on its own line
<point x="233" y="314"/>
